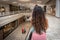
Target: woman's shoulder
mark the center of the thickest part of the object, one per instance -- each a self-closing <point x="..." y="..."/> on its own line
<point x="36" y="34"/>
<point x="39" y="36"/>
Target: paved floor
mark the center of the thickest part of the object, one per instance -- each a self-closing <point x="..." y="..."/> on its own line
<point x="53" y="31"/>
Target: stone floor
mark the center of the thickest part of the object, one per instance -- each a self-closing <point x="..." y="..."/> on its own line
<point x="53" y="32"/>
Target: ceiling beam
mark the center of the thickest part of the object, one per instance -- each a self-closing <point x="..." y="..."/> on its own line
<point x="48" y="1"/>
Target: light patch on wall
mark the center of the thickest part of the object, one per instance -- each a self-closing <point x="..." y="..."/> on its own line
<point x="24" y="0"/>
<point x="5" y="0"/>
<point x="39" y="1"/>
<point x="14" y="2"/>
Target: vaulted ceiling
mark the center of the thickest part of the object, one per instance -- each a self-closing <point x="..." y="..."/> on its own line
<point x="26" y="2"/>
<point x="23" y="1"/>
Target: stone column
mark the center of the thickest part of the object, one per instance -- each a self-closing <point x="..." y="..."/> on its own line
<point x="57" y="8"/>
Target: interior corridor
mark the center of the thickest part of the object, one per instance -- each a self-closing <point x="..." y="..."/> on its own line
<point x="53" y="32"/>
<point x="15" y="15"/>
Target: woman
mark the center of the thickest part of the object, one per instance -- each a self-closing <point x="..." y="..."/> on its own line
<point x="39" y="23"/>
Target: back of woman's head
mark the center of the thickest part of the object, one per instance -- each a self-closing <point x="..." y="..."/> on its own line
<point x="38" y="19"/>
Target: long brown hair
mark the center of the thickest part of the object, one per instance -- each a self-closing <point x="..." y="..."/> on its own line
<point x="38" y="19"/>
